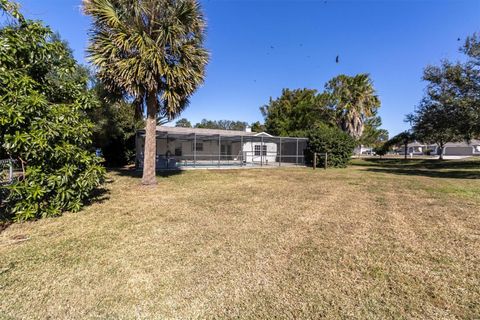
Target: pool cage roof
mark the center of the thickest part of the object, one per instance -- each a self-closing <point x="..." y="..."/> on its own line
<point x="179" y="147"/>
<point x="181" y="132"/>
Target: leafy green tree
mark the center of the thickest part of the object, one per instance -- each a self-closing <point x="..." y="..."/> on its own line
<point x="456" y="87"/>
<point x="450" y="109"/>
<point x="354" y="101"/>
<point x="258" y="127"/>
<point x="432" y="121"/>
<point x="295" y="112"/>
<point x="184" y="123"/>
<point x="152" y="51"/>
<point x="331" y="140"/>
<point x="115" y="125"/>
<point x="43" y="122"/>
<point x="373" y="135"/>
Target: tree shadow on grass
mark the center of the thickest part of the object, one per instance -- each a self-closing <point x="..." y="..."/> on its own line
<point x="449" y="169"/>
<point x="99" y="195"/>
<point x="133" y="173"/>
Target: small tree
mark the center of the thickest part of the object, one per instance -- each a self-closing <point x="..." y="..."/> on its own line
<point x="403" y="138"/>
<point x="43" y="123"/>
<point x="432" y="123"/>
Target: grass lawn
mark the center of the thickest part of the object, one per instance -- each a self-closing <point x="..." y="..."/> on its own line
<point x="381" y="239"/>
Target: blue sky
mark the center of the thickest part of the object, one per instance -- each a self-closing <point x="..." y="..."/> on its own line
<point x="259" y="47"/>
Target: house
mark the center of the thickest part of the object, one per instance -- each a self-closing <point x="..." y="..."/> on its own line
<point x="463" y="148"/>
<point x="179" y="147"/>
<point x="362" y="150"/>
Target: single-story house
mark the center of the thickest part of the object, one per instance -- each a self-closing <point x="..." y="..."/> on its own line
<point x="462" y="148"/>
<point x="362" y="149"/>
<point x="179" y="147"/>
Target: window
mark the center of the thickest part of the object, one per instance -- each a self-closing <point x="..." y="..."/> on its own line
<point x="199" y="146"/>
<point x="226" y="149"/>
<point x="258" y="148"/>
<point x="178" y="151"/>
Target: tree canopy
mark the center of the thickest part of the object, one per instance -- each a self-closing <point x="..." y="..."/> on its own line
<point x="222" y="124"/>
<point x="354" y="101"/>
<point x="184" y="123"/>
<point x="43" y="103"/>
<point x="450" y="109"/>
<point x="456" y="86"/>
<point x="350" y="103"/>
<point x="295" y="112"/>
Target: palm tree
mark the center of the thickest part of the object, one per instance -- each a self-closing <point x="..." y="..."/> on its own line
<point x="152" y="52"/>
<point x="354" y="100"/>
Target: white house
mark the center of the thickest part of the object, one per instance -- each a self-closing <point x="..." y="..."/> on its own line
<point x="361" y="149"/>
<point x="196" y="147"/>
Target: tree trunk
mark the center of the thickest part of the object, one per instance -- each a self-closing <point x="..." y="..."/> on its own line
<point x="150" y="152"/>
<point x="406" y="150"/>
<point x="441" y="153"/>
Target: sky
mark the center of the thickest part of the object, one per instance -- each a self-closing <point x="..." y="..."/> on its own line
<point x="259" y="47"/>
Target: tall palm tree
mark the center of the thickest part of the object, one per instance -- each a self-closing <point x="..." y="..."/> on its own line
<point x="354" y="100"/>
<point x="152" y="52"/>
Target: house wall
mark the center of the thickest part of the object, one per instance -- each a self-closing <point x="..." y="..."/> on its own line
<point x="249" y="152"/>
<point x="449" y="150"/>
<point x="458" y="151"/>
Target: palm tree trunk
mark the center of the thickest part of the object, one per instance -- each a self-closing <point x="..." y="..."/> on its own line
<point x="406" y="150"/>
<point x="150" y="152"/>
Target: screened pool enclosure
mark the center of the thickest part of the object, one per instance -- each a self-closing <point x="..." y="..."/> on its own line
<point x="207" y="148"/>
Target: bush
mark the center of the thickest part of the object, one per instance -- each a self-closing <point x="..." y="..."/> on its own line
<point x="338" y="144"/>
<point x="380" y="151"/>
<point x="43" y="123"/>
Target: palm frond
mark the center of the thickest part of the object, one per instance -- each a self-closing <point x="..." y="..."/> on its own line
<point x="145" y="46"/>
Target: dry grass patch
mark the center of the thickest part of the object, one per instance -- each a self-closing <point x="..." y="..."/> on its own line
<point x="370" y="241"/>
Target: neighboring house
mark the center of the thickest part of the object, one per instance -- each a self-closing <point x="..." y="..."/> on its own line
<point x="361" y="149"/>
<point x="462" y="148"/>
<point x="450" y="148"/>
<point x="195" y="147"/>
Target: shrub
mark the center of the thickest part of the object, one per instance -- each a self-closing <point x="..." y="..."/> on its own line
<point x="338" y="144"/>
<point x="43" y="100"/>
<point x="380" y="151"/>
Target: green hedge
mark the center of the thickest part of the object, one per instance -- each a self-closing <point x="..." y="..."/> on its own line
<point x="333" y="141"/>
